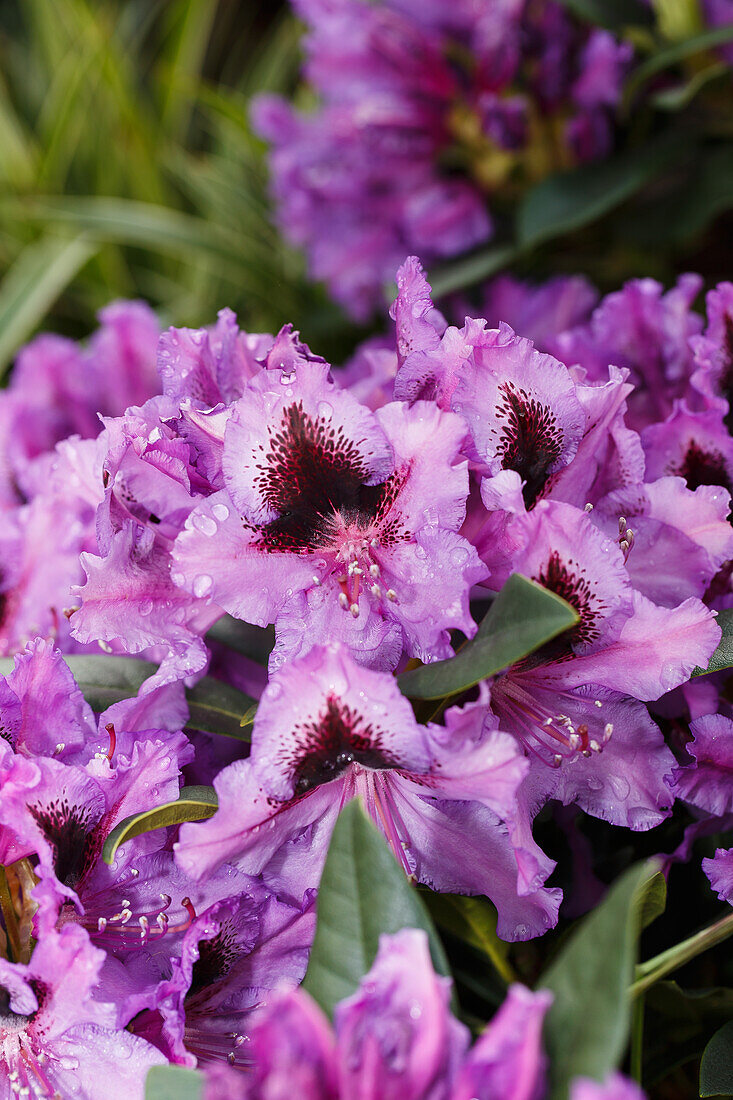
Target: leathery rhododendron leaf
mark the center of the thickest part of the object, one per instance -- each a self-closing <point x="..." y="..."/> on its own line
<point x="194" y="804"/>
<point x="587" y="1026"/>
<point x="173" y="1083"/>
<point x="723" y="656"/>
<point x="363" y="894"/>
<point x="522" y="618"/>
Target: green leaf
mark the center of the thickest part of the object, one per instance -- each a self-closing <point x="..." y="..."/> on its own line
<point x="571" y="200"/>
<point x="255" y="642"/>
<point x="587" y="1027"/>
<point x="723" y="656"/>
<point x="214" y="706"/>
<point x="672" y="54"/>
<point x="654" y="900"/>
<point x="522" y="618"/>
<point x="470" y="270"/>
<point x="193" y="804"/>
<point x="173" y="1083"/>
<point x="34" y="282"/>
<point x="678" y="96"/>
<point x="716" y="1065"/>
<point x="363" y="894"/>
<point x="613" y="14"/>
<point x="472" y="919"/>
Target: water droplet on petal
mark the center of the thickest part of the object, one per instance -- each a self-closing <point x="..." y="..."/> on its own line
<point x="220" y="511"/>
<point x="202" y="584"/>
<point x="205" y="524"/>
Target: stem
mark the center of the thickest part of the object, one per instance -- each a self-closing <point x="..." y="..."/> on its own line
<point x="649" y="973"/>
<point x="637" y="1039"/>
<point x="10" y="917"/>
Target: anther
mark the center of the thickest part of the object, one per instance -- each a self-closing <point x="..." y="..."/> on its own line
<point x="588" y="507"/>
<point x="343" y="600"/>
<point x="391" y="594"/>
<point x="597" y="703"/>
<point x="59" y="748"/>
<point x="375" y="591"/>
<point x="374" y="570"/>
<point x="101" y="924"/>
<point x="594" y="746"/>
<point x="608" y="730"/>
<point x="354" y="609"/>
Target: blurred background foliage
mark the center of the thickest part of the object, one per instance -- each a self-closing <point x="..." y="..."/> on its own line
<point x="128" y="168"/>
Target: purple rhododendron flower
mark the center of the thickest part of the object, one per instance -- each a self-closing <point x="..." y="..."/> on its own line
<point x="231" y="956"/>
<point x="393" y="1038"/>
<point x="327" y="731"/>
<point x="719" y="870"/>
<point x="615" y="1087"/>
<point x="56" y="1038"/>
<point x="334" y="522"/>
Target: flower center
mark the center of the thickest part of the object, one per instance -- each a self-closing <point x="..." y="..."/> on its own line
<point x="700" y="467"/>
<point x="337" y="739"/>
<point x="70" y="831"/>
<point x="531" y="440"/>
<point x="577" y="590"/>
<point x="552" y="737"/>
<point x="311" y="473"/>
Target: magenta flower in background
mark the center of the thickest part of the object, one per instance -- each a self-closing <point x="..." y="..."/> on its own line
<point x="408" y="92"/>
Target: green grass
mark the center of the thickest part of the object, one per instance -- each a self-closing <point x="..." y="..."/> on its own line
<point x="129" y="166"/>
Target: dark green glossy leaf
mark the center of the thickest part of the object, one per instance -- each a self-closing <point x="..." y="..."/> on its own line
<point x="723" y="656"/>
<point x="255" y="642"/>
<point x="672" y="54"/>
<point x="571" y="200"/>
<point x="523" y="617"/>
<point x="218" y="708"/>
<point x="716" y="1065"/>
<point x="173" y="1083"/>
<point x="654" y="900"/>
<point x="587" y="1027"/>
<point x="613" y="14"/>
<point x="470" y="270"/>
<point x="472" y="919"/>
<point x="193" y="804"/>
<point x="363" y="894"/>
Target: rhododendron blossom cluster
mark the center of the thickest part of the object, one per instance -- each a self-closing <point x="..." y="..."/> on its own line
<point x="360" y="521"/>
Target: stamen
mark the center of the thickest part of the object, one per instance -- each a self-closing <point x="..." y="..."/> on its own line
<point x="112" y="740"/>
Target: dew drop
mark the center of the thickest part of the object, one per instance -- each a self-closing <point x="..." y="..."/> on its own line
<point x="205" y="524"/>
<point x="220" y="511"/>
<point x="202" y="584"/>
